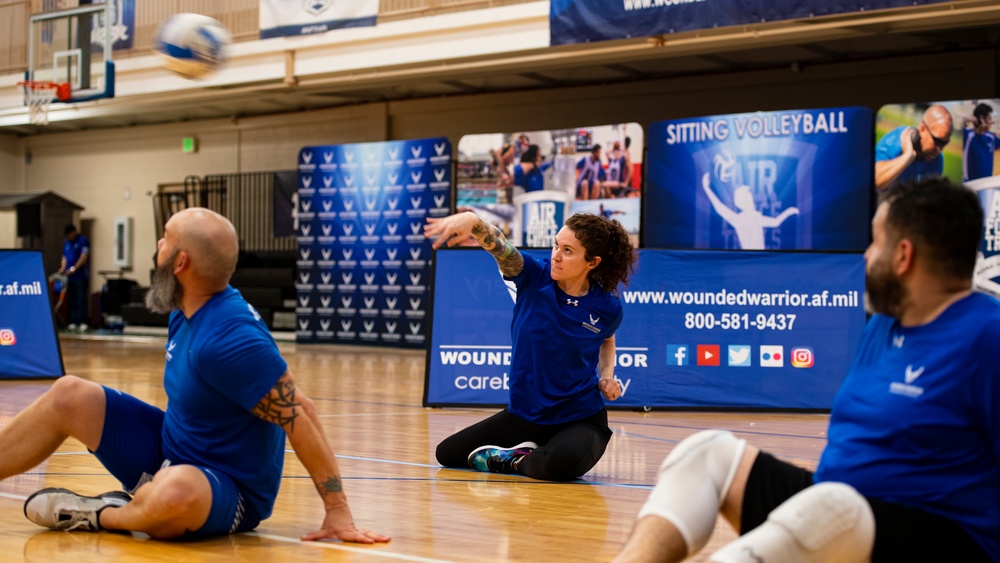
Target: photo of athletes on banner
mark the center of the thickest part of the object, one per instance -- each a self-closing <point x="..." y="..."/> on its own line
<point x="784" y="180"/>
<point x="528" y="183"/>
<point x="955" y="139"/>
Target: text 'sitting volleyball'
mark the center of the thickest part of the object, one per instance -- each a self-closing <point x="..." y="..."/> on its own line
<point x="192" y="45"/>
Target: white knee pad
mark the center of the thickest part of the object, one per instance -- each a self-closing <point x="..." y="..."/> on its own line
<point x="692" y="483"/>
<point x="828" y="522"/>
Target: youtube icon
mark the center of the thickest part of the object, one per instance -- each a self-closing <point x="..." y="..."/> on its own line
<point x="708" y="354"/>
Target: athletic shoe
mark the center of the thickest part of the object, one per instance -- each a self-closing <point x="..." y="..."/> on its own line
<point x="83" y="327"/>
<point x="494" y="459"/>
<point x="71" y="327"/>
<point x="61" y="509"/>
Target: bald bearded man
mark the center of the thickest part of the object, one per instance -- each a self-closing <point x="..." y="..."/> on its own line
<point x="211" y="463"/>
<point x="913" y="153"/>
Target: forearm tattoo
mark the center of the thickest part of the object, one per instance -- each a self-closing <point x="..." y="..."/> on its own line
<point x="491" y="238"/>
<point x="331" y="485"/>
<point x="280" y="406"/>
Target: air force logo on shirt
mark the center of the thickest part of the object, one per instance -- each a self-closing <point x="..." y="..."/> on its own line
<point x="170" y="348"/>
<point x="592" y="327"/>
<point x="907" y="388"/>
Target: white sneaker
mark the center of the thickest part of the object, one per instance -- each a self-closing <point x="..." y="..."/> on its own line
<point x="83" y="327"/>
<point x="71" y="327"/>
<point x="62" y="509"/>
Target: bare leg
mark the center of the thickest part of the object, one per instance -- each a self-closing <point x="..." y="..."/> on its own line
<point x="178" y="499"/>
<point x="71" y="407"/>
<point x="657" y="539"/>
<point x="653" y="539"/>
<point x="732" y="505"/>
<point x="584" y="190"/>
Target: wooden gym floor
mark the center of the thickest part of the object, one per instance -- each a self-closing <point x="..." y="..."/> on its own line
<point x="369" y="400"/>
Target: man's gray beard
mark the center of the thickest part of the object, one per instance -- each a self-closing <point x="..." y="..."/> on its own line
<point x="164" y="292"/>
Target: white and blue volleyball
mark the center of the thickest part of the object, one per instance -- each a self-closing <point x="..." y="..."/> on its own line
<point x="192" y="45"/>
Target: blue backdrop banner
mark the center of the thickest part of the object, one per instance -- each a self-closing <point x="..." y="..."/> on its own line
<point x="785" y="180"/>
<point x="701" y="329"/>
<point x="28" y="344"/>
<point x="364" y="265"/>
<point x="581" y="21"/>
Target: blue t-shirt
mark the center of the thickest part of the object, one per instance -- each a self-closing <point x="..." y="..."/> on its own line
<point x="889" y="147"/>
<point x="220" y="363"/>
<point x="917" y="421"/>
<point x="72" y="251"/>
<point x="556" y="345"/>
<point x="977" y="157"/>
<point x="534" y="180"/>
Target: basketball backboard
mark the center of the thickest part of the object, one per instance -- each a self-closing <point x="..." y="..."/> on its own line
<point x="73" y="46"/>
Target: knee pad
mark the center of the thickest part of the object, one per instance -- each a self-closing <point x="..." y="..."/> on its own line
<point x="692" y="483"/>
<point x="828" y="522"/>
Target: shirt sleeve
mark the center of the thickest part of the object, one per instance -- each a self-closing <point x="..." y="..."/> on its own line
<point x="530" y="271"/>
<point x="888" y="146"/>
<point x="241" y="362"/>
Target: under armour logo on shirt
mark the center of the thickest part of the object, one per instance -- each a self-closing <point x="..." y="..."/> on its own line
<point x="573" y="302"/>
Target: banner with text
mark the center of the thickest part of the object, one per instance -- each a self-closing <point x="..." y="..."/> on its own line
<point x="732" y="330"/>
<point x="364" y="265"/>
<point x="784" y="180"/>
<point x="582" y="21"/>
<point x="281" y="18"/>
<point x="528" y="183"/>
<point x="28" y="343"/>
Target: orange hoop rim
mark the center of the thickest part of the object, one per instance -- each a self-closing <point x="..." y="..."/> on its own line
<point x="62" y="89"/>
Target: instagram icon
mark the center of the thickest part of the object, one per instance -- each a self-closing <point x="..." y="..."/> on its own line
<point x="7" y="337"/>
<point x="802" y="357"/>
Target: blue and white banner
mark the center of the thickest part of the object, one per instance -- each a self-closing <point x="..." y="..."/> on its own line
<point x="987" y="273"/>
<point x="732" y="329"/>
<point x="582" y="21"/>
<point x="122" y="25"/>
<point x="786" y="180"/>
<point x="28" y="344"/>
<point x="539" y="216"/>
<point x="282" y="18"/>
<point x="363" y="271"/>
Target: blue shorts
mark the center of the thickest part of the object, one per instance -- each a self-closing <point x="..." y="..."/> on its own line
<point x="132" y="450"/>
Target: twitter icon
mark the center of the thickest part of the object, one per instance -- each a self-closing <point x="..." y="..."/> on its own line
<point x="739" y="355"/>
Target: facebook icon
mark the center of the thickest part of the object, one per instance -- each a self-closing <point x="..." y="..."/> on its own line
<point x="677" y="355"/>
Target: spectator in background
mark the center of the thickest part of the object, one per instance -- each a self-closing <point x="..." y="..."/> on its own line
<point x="912" y="153"/>
<point x="76" y="252"/>
<point x="979" y="144"/>
<point x="590" y="176"/>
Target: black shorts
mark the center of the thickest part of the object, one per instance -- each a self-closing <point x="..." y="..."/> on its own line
<point x="902" y="533"/>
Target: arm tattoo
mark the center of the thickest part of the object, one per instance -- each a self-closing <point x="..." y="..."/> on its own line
<point x="491" y="238"/>
<point x="279" y="406"/>
<point x="331" y="485"/>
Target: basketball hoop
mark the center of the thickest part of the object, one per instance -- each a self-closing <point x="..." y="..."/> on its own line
<point x="38" y="95"/>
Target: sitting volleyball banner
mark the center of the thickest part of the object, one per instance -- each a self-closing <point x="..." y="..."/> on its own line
<point x="782" y="180"/>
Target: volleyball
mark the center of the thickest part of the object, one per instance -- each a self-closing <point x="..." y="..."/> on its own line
<point x="192" y="45"/>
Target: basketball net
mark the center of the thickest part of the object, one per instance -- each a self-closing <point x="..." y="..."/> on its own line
<point x="38" y="96"/>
